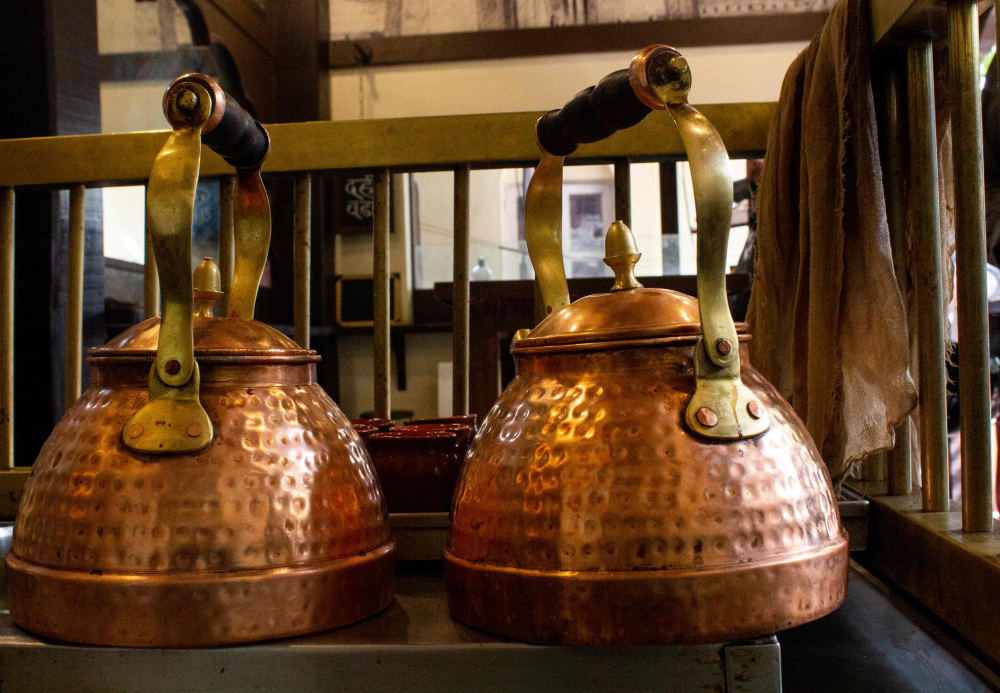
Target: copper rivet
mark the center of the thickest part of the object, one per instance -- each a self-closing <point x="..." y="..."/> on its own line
<point x="724" y="346"/>
<point x="134" y="431"/>
<point x="172" y="367"/>
<point x="754" y="409"/>
<point x="194" y="430"/>
<point x="707" y="417"/>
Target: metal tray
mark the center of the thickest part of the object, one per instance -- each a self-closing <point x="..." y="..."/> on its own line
<point x="412" y="646"/>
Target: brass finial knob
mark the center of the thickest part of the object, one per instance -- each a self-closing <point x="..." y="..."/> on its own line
<point x="621" y="254"/>
<point x="207" y="287"/>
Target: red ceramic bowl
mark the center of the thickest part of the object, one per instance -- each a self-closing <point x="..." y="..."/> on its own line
<point x="418" y="469"/>
<point x="467" y="419"/>
<point x="365" y="427"/>
<point x="464" y="434"/>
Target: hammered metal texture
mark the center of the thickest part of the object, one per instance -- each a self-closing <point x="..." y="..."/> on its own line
<point x="584" y="464"/>
<point x="281" y="508"/>
<point x="285" y="482"/>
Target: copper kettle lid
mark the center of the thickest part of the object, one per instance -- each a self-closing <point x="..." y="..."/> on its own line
<point x="628" y="312"/>
<point x="229" y="339"/>
<point x="638" y="314"/>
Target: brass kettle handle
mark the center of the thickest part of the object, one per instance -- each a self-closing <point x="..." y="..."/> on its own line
<point x="243" y="142"/>
<point x="173" y="419"/>
<point x="658" y="78"/>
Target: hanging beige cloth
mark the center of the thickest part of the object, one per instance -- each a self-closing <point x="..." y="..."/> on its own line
<point x="828" y="320"/>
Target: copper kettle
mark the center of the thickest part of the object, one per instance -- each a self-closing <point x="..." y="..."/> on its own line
<point x="639" y="482"/>
<point x="204" y="490"/>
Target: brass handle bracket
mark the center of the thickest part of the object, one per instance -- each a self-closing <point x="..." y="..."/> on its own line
<point x="722" y="407"/>
<point x="173" y="419"/>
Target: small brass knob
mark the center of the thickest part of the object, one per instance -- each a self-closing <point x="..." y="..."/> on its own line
<point x="621" y="255"/>
<point x="207" y="287"/>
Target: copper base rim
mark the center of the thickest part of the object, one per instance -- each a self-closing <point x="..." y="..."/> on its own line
<point x="199" y="609"/>
<point x="648" y="607"/>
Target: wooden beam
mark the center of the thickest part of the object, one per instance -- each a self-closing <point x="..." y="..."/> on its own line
<point x="563" y="40"/>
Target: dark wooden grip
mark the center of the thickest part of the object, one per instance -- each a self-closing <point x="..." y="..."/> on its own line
<point x="593" y="114"/>
<point x="238" y="138"/>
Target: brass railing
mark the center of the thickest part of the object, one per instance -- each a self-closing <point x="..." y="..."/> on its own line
<point x="456" y="143"/>
<point x="943" y="553"/>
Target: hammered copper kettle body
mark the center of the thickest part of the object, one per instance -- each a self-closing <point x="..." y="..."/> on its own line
<point x="204" y="490"/>
<point x="639" y="482"/>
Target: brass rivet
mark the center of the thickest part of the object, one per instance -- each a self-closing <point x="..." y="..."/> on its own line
<point x="194" y="430"/>
<point x="753" y="408"/>
<point x="723" y="346"/>
<point x="172" y="367"/>
<point x="707" y="417"/>
<point x="187" y="100"/>
<point x="134" y="431"/>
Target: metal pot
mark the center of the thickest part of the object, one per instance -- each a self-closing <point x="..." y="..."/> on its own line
<point x="204" y="490"/>
<point x="639" y="482"/>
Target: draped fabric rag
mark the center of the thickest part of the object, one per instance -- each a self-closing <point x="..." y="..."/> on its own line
<point x="829" y="321"/>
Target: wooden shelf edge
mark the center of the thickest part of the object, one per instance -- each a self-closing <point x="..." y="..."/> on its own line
<point x="953" y="574"/>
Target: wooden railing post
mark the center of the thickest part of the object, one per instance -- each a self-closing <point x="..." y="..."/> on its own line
<point x="74" y="295"/>
<point x="380" y="274"/>
<point x="303" y="240"/>
<point x="460" y="295"/>
<point x="623" y="191"/>
<point x="6" y="328"/>
<point x="227" y="239"/>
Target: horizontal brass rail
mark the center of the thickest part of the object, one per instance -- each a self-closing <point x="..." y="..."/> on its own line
<point x="402" y="144"/>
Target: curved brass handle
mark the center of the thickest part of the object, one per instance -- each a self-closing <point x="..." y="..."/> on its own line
<point x="659" y="77"/>
<point x="252" y="237"/>
<point x="173" y="420"/>
<point x="543" y="231"/>
<point x="243" y="142"/>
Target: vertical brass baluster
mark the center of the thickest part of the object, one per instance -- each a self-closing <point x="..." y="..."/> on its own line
<point x="970" y="256"/>
<point x="303" y="240"/>
<point x="623" y="191"/>
<point x="227" y="239"/>
<point x="150" y="280"/>
<point x="898" y="458"/>
<point x="460" y="295"/>
<point x="874" y="467"/>
<point x="927" y="245"/>
<point x="6" y="328"/>
<point x="74" y="295"/>
<point x="381" y="295"/>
